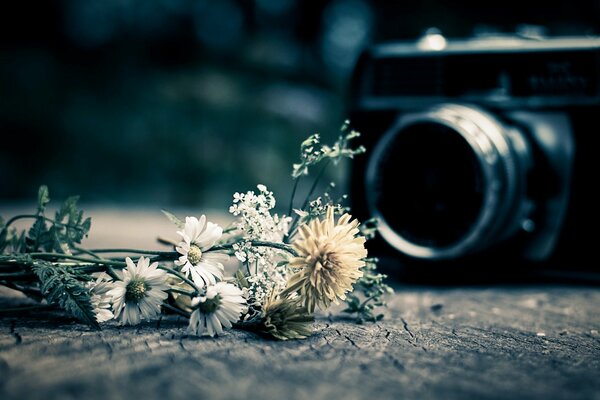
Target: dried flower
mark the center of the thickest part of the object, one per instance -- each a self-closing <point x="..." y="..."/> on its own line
<point x="285" y="318"/>
<point x="329" y="262"/>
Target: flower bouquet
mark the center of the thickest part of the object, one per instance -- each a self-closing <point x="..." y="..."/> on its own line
<point x="287" y="265"/>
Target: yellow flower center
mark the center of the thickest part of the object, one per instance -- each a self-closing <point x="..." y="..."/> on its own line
<point x="136" y="290"/>
<point x="194" y="255"/>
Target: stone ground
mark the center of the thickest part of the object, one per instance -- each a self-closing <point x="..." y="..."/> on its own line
<point x="529" y="341"/>
<point x="502" y="342"/>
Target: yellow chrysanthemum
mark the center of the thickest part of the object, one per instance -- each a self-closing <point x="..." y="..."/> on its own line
<point x="329" y="259"/>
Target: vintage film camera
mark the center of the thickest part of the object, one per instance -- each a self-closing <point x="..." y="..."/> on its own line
<point x="481" y="150"/>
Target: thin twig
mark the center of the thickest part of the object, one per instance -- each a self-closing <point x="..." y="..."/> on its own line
<point x="296" y="181"/>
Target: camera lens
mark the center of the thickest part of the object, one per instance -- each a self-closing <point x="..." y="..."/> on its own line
<point x="438" y="191"/>
<point x="446" y="182"/>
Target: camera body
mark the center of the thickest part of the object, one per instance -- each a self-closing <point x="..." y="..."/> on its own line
<point x="480" y="150"/>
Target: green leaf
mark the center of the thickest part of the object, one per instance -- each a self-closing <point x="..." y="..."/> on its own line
<point x="43" y="198"/>
<point x="60" y="285"/>
<point x="69" y="227"/>
<point x="18" y="242"/>
<point x="37" y="234"/>
<point x="86" y="225"/>
<point x="368" y="294"/>
<point x="68" y="209"/>
<point x="173" y="218"/>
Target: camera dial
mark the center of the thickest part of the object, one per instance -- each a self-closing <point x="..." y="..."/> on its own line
<point x="448" y="182"/>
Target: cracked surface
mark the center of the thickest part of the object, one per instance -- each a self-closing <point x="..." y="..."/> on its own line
<point x="525" y="342"/>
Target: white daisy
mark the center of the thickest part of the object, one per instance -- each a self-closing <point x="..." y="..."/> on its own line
<point x="198" y="236"/>
<point x="99" y="297"/>
<point x="140" y="292"/>
<point x="222" y="305"/>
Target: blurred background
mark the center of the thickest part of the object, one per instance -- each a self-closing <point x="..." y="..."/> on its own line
<point x="180" y="103"/>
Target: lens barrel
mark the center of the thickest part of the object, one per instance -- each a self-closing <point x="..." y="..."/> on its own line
<point x="448" y="182"/>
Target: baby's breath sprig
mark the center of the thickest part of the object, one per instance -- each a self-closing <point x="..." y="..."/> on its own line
<point x="312" y="152"/>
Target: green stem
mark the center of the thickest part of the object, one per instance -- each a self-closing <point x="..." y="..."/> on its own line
<point x="78" y="258"/>
<point x="176" y="310"/>
<point x="294" y="225"/>
<point x="88" y="267"/>
<point x="180" y="276"/>
<point x="229" y="229"/>
<point x="364" y="303"/>
<point x="296" y="181"/>
<point x="88" y="252"/>
<point x="109" y="270"/>
<point x="112" y="273"/>
<point x="34" y="216"/>
<point x="16" y="276"/>
<point x="9" y="261"/>
<point x="134" y="251"/>
<point x="314" y="185"/>
<point x="31" y="292"/>
<point x="9" y="266"/>
<point x="291" y="233"/>
<point x="258" y="243"/>
<point x="182" y="291"/>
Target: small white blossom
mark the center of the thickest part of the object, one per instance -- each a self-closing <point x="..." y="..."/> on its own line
<point x="199" y="235"/>
<point x="257" y="223"/>
<point x="222" y="305"/>
<point x="140" y="291"/>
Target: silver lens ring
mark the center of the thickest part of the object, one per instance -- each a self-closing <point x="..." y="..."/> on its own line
<point x="489" y="140"/>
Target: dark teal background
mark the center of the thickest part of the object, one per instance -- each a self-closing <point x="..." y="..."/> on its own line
<point x="181" y="103"/>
